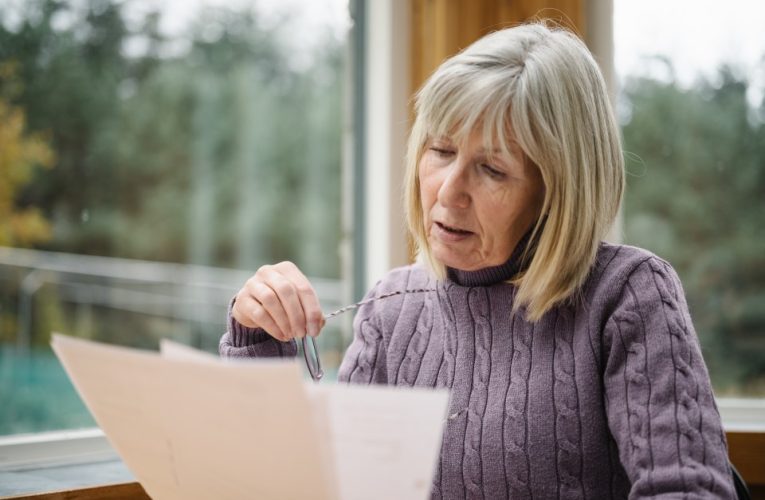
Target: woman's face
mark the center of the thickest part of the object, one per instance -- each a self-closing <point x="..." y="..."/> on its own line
<point x="476" y="204"/>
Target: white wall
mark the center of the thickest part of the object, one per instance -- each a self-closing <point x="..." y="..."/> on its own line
<point x="387" y="94"/>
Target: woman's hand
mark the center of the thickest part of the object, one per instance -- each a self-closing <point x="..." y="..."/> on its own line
<point x="280" y="300"/>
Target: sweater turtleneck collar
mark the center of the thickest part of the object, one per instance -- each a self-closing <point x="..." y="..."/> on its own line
<point x="492" y="275"/>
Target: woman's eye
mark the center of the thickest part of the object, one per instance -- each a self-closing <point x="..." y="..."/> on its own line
<point x="493" y="172"/>
<point x="441" y="152"/>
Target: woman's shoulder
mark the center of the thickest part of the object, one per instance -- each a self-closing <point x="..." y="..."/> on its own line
<point x="623" y="260"/>
<point x="617" y="265"/>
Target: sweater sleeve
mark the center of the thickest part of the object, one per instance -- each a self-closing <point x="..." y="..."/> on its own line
<point x="659" y="402"/>
<point x="365" y="360"/>
<point x="243" y="342"/>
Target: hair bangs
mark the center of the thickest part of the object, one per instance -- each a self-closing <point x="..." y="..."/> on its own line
<point x="455" y="111"/>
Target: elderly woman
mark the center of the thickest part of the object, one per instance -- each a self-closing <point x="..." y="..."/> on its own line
<point x="574" y="369"/>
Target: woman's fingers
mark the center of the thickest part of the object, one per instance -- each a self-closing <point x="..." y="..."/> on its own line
<point x="242" y="310"/>
<point x="250" y="313"/>
<point x="309" y="301"/>
<point x="284" y="302"/>
<point x="281" y="300"/>
<point x="273" y="307"/>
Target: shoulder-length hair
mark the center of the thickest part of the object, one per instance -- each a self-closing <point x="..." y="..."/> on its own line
<point x="540" y="87"/>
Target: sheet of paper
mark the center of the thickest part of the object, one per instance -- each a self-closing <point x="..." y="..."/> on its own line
<point x="190" y="425"/>
<point x="385" y="440"/>
<point x="174" y="350"/>
<point x="189" y="429"/>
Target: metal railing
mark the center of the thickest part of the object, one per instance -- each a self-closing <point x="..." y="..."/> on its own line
<point x="192" y="293"/>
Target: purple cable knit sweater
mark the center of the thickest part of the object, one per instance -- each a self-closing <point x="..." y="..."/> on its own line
<point x="607" y="397"/>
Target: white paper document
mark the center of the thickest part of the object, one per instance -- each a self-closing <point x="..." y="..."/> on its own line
<point x="192" y="426"/>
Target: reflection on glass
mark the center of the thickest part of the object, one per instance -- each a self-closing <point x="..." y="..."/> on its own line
<point x="154" y="154"/>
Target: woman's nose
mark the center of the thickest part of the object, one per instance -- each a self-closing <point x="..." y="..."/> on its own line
<point x="455" y="189"/>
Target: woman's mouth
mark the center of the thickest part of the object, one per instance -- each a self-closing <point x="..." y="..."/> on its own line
<point x="450" y="233"/>
<point x="453" y="229"/>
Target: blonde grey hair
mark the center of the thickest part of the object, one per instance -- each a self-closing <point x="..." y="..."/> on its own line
<point x="540" y="87"/>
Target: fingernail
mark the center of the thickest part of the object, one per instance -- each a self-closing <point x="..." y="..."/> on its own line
<point x="313" y="331"/>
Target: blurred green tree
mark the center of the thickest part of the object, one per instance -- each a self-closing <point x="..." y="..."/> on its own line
<point x="696" y="185"/>
<point x="223" y="152"/>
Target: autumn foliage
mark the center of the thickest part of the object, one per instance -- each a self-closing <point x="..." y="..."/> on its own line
<point x="20" y="154"/>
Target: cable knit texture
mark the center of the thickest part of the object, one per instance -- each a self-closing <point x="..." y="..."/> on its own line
<point x="604" y="397"/>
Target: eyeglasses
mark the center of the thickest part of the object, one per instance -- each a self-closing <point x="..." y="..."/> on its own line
<point x="314" y="366"/>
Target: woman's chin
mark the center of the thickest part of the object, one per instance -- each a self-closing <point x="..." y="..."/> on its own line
<point x="450" y="259"/>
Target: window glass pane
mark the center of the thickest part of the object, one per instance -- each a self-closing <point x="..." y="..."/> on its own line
<point x="154" y="154"/>
<point x="692" y="75"/>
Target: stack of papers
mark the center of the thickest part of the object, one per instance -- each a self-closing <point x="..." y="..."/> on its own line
<point x="190" y="425"/>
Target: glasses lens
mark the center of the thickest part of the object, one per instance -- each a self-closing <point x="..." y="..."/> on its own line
<point x="312" y="358"/>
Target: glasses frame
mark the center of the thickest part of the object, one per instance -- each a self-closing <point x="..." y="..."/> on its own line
<point x="313" y="368"/>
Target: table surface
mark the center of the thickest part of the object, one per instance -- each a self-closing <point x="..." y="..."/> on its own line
<point x="65" y="477"/>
